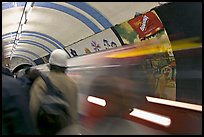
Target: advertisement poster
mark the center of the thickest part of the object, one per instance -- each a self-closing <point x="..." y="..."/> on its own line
<point x="98" y="42"/>
<point x="147" y="29"/>
<point x="146" y="25"/>
<point x="126" y="33"/>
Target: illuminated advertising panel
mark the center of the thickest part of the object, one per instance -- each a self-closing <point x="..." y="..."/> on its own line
<point x="147" y="29"/>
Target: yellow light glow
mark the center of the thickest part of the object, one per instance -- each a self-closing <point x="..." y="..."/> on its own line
<point x="186" y="44"/>
<point x="96" y="100"/>
<point x="175" y="103"/>
<point x="152" y="117"/>
<point x="138" y="51"/>
<point x="155" y="48"/>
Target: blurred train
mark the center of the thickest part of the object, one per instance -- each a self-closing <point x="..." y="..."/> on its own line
<point x="118" y="88"/>
<point x="139" y="89"/>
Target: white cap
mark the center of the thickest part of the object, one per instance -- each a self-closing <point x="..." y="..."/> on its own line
<point x="59" y="58"/>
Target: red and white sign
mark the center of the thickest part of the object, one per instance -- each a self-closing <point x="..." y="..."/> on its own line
<point x="146" y="25"/>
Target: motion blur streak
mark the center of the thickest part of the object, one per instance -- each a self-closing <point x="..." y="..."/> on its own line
<point x="138" y="51"/>
<point x="162" y="120"/>
<point x="95" y="67"/>
<point x="175" y="103"/>
<point x="184" y="44"/>
<point x="156" y="48"/>
<point x="96" y="100"/>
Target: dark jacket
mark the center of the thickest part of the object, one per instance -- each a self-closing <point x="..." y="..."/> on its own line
<point x="16" y="119"/>
<point x="26" y="84"/>
<point x="7" y="72"/>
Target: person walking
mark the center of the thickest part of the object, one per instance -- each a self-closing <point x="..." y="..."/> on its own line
<point x="57" y="76"/>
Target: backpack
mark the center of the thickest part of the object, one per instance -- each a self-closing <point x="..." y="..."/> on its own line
<point x="53" y="114"/>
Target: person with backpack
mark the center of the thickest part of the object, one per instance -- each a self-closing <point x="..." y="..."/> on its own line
<point x="49" y="88"/>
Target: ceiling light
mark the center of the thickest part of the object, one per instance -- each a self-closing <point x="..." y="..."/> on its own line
<point x="15" y="4"/>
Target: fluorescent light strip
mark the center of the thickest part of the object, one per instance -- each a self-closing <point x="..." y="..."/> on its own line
<point x="92" y="67"/>
<point x="16" y="41"/>
<point x="18" y="36"/>
<point x="110" y="66"/>
<point x="28" y="8"/>
<point x="175" y="103"/>
<point x="15" y="4"/>
<point x="152" y="117"/>
<point x="96" y="100"/>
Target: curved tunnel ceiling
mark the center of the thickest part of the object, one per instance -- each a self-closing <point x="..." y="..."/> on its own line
<point x="54" y="25"/>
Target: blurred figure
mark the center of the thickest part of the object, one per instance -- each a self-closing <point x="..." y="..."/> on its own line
<point x="109" y="119"/>
<point x="57" y="64"/>
<point x="27" y="80"/>
<point x="16" y="119"/>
